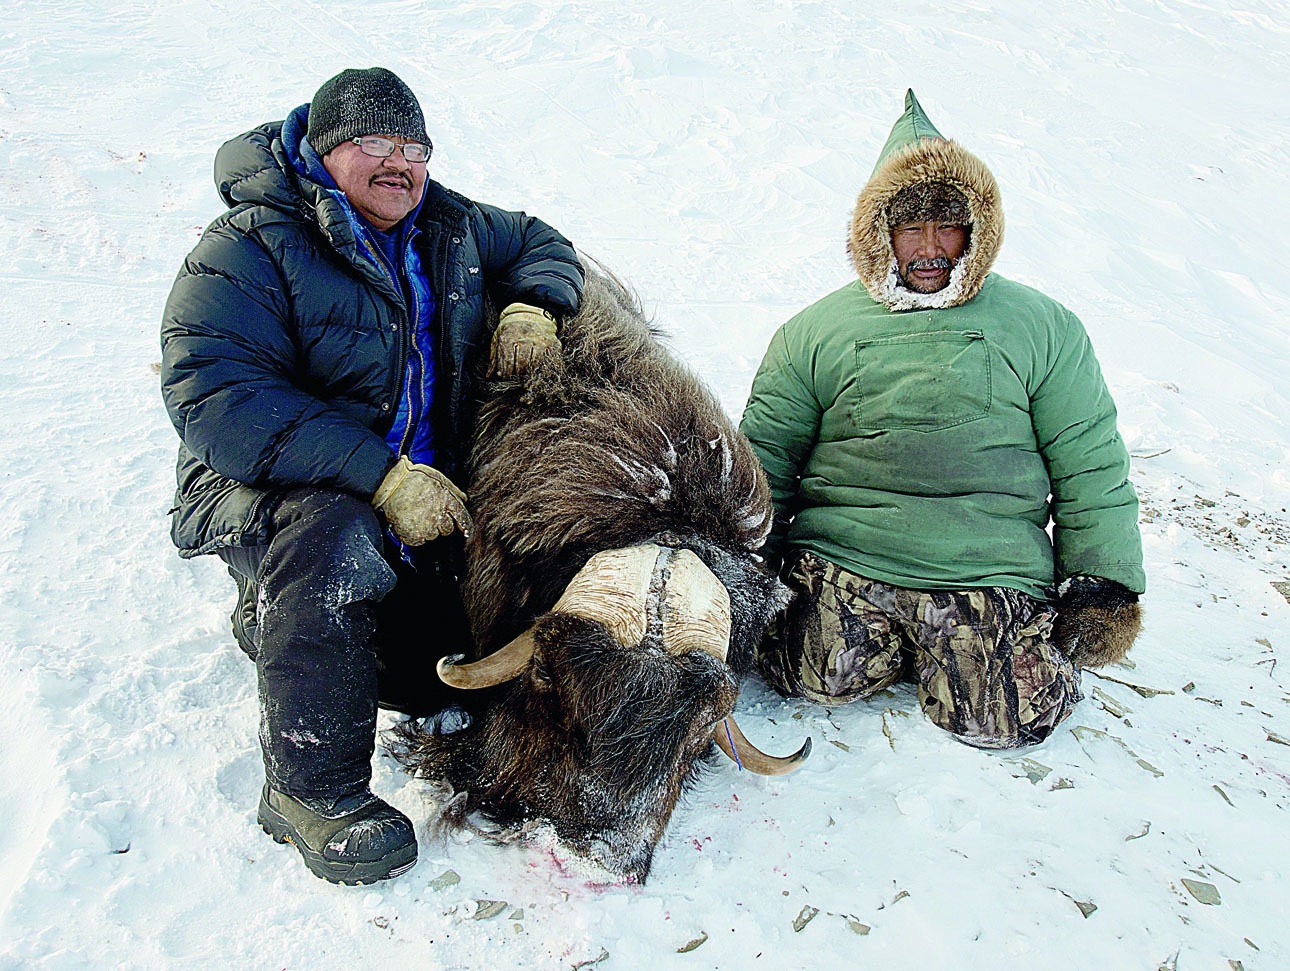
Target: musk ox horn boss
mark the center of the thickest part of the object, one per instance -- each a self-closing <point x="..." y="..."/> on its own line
<point x="612" y="589"/>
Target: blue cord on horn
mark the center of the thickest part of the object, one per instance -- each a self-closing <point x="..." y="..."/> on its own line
<point x="726" y="722"/>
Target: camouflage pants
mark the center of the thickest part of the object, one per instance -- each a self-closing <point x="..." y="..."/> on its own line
<point x="986" y="669"/>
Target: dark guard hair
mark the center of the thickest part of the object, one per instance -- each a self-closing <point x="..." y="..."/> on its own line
<point x="612" y="443"/>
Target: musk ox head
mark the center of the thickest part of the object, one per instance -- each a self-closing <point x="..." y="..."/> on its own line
<point x="613" y="590"/>
<point x="611" y="703"/>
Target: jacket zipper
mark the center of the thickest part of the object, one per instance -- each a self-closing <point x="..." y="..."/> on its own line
<point x="404" y="440"/>
<point x="442" y="310"/>
<point x="399" y="377"/>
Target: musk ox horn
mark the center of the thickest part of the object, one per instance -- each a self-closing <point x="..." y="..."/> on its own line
<point x="610" y="588"/>
<point x="501" y="665"/>
<point x="613" y="588"/>
<point x="747" y="756"/>
<point x="696" y="616"/>
<point x="695" y="609"/>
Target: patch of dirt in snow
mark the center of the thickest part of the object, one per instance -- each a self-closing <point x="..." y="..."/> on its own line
<point x="1228" y="521"/>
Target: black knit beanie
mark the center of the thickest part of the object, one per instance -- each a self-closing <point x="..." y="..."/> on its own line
<point x="356" y="103"/>
<point x="937" y="201"/>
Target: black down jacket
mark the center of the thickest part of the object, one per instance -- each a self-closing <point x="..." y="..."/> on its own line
<point x="283" y="346"/>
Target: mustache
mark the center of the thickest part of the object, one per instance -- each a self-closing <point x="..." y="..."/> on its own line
<point x="401" y="176"/>
<point x="935" y="263"/>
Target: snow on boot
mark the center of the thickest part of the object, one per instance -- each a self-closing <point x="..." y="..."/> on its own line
<point x="354" y="839"/>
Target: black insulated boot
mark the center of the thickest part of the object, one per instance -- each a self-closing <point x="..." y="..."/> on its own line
<point x="354" y="839"/>
<point x="246" y="627"/>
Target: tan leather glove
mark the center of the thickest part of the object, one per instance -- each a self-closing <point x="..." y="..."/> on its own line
<point x="421" y="503"/>
<point x="523" y="334"/>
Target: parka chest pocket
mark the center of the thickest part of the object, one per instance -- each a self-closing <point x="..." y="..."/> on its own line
<point x="924" y="381"/>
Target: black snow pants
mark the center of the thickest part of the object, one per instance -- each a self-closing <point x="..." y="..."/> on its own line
<point x="336" y="621"/>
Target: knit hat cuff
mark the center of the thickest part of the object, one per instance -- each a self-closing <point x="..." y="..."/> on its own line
<point x="363" y="102"/>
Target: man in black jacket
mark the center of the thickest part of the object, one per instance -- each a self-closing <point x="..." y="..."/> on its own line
<point x="318" y="352"/>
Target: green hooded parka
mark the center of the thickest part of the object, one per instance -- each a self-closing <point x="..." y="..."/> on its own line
<point x="929" y="440"/>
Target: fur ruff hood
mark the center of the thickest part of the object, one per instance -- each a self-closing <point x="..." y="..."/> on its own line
<point x="916" y="153"/>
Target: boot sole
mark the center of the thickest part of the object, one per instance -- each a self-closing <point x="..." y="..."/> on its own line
<point x="351" y="874"/>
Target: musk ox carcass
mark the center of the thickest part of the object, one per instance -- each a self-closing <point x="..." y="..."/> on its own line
<point x="613" y="591"/>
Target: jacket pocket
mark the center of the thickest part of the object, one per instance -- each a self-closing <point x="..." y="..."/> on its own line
<point x="925" y="381"/>
<point x="211" y="511"/>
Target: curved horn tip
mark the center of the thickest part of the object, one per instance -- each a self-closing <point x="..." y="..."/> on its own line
<point x="501" y="665"/>
<point x="794" y="761"/>
<point x="743" y="753"/>
<point x="449" y="661"/>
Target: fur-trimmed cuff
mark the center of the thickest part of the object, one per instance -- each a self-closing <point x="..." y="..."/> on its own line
<point x="1097" y="621"/>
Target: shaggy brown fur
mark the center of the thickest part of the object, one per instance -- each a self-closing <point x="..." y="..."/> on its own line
<point x="936" y="201"/>
<point x="607" y="445"/>
<point x="611" y="443"/>
<point x="1097" y="621"/>
<point x="1093" y="637"/>
<point x="869" y="241"/>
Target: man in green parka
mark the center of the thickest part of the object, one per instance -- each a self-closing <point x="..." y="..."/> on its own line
<point x="922" y="427"/>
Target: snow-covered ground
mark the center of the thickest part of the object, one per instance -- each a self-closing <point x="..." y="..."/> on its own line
<point x="709" y="153"/>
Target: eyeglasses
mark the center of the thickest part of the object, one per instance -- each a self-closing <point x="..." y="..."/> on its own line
<point x="378" y="147"/>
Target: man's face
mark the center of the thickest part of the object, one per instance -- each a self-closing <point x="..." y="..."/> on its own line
<point x="383" y="190"/>
<point x="926" y="252"/>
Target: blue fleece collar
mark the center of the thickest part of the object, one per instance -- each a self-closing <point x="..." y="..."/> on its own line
<point x="303" y="158"/>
